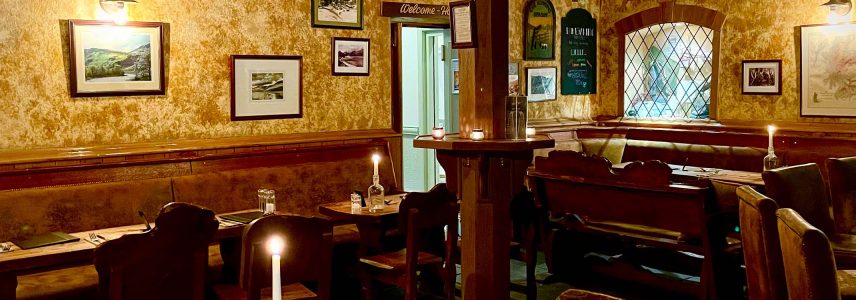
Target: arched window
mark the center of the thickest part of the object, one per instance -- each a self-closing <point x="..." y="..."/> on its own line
<point x="670" y="56"/>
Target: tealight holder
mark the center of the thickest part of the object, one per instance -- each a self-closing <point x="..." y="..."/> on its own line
<point x="438" y="133"/>
<point x="477" y="134"/>
<point x="530" y="132"/>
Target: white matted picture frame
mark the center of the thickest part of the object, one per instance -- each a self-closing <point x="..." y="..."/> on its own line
<point x="541" y="83"/>
<point x="827" y="67"/>
<point x="762" y="77"/>
<point x="267" y="87"/>
<point x="350" y="56"/>
<point x="107" y="59"/>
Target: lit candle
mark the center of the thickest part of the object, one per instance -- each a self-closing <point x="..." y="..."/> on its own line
<point x="771" y="129"/>
<point x="438" y="133"/>
<point x="275" y="246"/>
<point x="477" y="135"/>
<point x="530" y="131"/>
<point x="376" y="160"/>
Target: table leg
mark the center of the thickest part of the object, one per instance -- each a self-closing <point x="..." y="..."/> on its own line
<point x="8" y="284"/>
<point x="371" y="235"/>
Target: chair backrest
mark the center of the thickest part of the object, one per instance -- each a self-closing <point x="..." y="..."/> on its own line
<point x="808" y="260"/>
<point x="761" y="250"/>
<point x="167" y="262"/>
<point x="801" y="188"/>
<point x="842" y="192"/>
<point x="307" y="256"/>
<point x="568" y="182"/>
<point x="434" y="209"/>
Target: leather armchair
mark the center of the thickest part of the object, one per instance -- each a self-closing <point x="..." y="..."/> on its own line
<point x="842" y="191"/>
<point x="761" y="250"/>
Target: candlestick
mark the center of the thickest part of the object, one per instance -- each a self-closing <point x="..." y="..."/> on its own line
<point x="376" y="160"/>
<point x="438" y="133"/>
<point x="477" y="134"/>
<point x="275" y="246"/>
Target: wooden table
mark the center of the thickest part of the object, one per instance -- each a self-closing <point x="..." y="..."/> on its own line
<point x="82" y="252"/>
<point x="373" y="226"/>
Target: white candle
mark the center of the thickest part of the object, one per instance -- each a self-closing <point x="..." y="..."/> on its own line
<point x="376" y="160"/>
<point x="275" y="246"/>
<point x="438" y="133"/>
<point x="270" y="208"/>
<point x="477" y="135"/>
<point x="771" y="129"/>
<point x="530" y="131"/>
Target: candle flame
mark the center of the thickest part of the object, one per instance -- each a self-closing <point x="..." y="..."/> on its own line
<point x="376" y="158"/>
<point x="275" y="245"/>
<point x="771" y="129"/>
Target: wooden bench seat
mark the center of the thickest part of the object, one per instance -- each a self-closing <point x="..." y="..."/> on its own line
<point x="65" y="284"/>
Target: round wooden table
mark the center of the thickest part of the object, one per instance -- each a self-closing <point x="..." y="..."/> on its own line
<point x="373" y="226"/>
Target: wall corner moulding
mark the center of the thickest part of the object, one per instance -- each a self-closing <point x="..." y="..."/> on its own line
<point x="109" y="59"/>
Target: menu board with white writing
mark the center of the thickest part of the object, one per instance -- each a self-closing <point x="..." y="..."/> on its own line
<point x="579" y="53"/>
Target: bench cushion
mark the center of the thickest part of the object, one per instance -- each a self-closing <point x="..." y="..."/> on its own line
<point x="70" y="283"/>
<point x="80" y="207"/>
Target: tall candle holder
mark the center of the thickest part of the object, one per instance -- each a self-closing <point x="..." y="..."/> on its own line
<point x="376" y="191"/>
<point x="771" y="161"/>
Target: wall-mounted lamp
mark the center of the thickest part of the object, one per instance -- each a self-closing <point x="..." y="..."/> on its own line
<point x="118" y="9"/>
<point x="838" y="10"/>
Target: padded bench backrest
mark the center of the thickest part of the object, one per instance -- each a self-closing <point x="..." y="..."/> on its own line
<point x="28" y="212"/>
<point x="709" y="156"/>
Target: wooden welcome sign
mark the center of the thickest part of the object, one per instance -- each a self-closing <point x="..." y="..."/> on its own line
<point x="414" y="10"/>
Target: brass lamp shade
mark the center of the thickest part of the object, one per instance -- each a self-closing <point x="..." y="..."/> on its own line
<point x="114" y="6"/>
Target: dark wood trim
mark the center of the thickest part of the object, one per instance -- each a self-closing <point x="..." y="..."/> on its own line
<point x="743" y="76"/>
<point x="473" y="24"/>
<point x="299" y="114"/>
<point x="333" y="55"/>
<point x="72" y="63"/>
<point x="395" y="76"/>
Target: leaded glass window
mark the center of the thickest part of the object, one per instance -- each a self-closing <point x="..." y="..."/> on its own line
<point x="668" y="71"/>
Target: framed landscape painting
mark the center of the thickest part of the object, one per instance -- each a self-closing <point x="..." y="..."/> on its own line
<point x="351" y="56"/>
<point x="115" y="60"/>
<point x="337" y="13"/>
<point x="539" y="25"/>
<point x="827" y="69"/>
<point x="762" y="77"/>
<point x="541" y="84"/>
<point x="267" y="87"/>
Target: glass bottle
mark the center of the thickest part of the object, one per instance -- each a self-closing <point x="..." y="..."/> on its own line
<point x="376" y="195"/>
<point x="771" y="161"/>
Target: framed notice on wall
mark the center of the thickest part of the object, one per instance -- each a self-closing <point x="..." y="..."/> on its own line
<point x="579" y="53"/>
<point x="463" y="14"/>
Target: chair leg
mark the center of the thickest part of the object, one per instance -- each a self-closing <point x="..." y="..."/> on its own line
<point x="366" y="284"/>
<point x="449" y="280"/>
<point x="531" y="288"/>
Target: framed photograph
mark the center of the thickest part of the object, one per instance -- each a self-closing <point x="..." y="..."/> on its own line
<point x="115" y="60"/>
<point x="539" y="30"/>
<point x="762" y="77"/>
<point x="541" y="83"/>
<point x="346" y="14"/>
<point x="267" y="87"/>
<point x="827" y="67"/>
<point x="351" y="56"/>
<point x="514" y="79"/>
<point x="463" y="14"/>
<point x="456" y="75"/>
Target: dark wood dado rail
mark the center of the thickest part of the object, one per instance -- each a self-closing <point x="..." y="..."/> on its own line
<point x="78" y="165"/>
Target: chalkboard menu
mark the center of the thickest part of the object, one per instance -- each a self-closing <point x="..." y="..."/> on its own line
<point x="579" y="53"/>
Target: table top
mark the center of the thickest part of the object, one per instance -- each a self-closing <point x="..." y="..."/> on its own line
<point x="456" y="143"/>
<point x="720" y="175"/>
<point x="342" y="210"/>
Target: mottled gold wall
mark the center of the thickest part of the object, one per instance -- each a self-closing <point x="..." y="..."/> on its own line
<point x="36" y="110"/>
<point x="754" y="29"/>
<point x="565" y="107"/>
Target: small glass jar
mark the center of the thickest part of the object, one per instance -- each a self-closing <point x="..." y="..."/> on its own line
<point x="438" y="133"/>
<point x="477" y="134"/>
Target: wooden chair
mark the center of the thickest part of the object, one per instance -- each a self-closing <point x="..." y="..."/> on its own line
<point x="166" y="262"/>
<point x="841" y="173"/>
<point x="639" y="205"/>
<point x="809" y="263"/>
<point x="307" y="258"/>
<point x="422" y="217"/>
<point x="802" y="189"/>
<point x="761" y="252"/>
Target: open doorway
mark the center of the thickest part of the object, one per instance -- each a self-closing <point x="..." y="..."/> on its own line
<point x="429" y="99"/>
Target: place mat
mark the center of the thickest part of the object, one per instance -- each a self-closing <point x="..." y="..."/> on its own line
<point x="48" y="239"/>
<point x="244" y="217"/>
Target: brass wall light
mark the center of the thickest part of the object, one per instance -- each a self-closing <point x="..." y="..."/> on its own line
<point x="118" y="9"/>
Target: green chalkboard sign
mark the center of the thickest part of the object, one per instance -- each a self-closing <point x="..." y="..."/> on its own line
<point x="539" y="25"/>
<point x="579" y="53"/>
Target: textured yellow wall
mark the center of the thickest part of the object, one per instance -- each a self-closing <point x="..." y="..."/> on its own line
<point x="754" y="29"/>
<point x="565" y="107"/>
<point x="36" y="110"/>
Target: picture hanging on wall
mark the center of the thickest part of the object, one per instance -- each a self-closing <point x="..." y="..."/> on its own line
<point x="463" y="20"/>
<point x="115" y="60"/>
<point x="456" y="76"/>
<point x="514" y="79"/>
<point x="267" y="87"/>
<point x="827" y="67"/>
<point x="350" y="56"/>
<point x="762" y="77"/>
<point x="579" y="53"/>
<point x="541" y="83"/>
<point x="346" y="14"/>
<point x="539" y="29"/>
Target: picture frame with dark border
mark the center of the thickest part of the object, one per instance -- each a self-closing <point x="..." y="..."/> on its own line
<point x="260" y="87"/>
<point x="466" y="9"/>
<point x="825" y="55"/>
<point x="342" y="64"/>
<point x="317" y="22"/>
<point x="761" y="77"/>
<point x="544" y="92"/>
<point x="531" y="35"/>
<point x="116" y="67"/>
